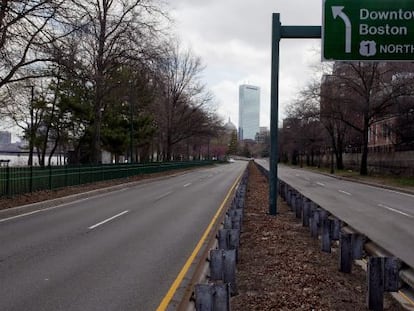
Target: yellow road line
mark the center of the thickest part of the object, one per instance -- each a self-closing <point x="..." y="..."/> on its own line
<point x="167" y="298"/>
<point x="406" y="297"/>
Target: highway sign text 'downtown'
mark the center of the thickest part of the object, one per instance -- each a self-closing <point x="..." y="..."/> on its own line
<point x="368" y="30"/>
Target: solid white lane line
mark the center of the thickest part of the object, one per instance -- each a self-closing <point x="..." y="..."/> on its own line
<point x="107" y="220"/>
<point x="391" y="191"/>
<point x="186" y="185"/>
<point x="60" y="205"/>
<point x="344" y="192"/>
<point x="320" y="184"/>
<point x="395" y="210"/>
<point x="164" y="195"/>
<point x="23" y="215"/>
<point x="43" y="210"/>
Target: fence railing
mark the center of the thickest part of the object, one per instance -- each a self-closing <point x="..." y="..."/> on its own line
<point x="21" y="180"/>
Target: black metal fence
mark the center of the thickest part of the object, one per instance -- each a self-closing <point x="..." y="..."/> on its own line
<point x="20" y="180"/>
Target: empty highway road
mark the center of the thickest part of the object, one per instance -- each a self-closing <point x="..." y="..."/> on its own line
<point x="118" y="251"/>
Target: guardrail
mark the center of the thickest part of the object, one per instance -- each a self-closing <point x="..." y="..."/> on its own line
<point x="214" y="279"/>
<point x="20" y="180"/>
<point x="385" y="272"/>
<point x="214" y="293"/>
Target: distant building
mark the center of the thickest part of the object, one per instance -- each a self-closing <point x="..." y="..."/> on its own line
<point x="263" y="135"/>
<point x="5" y="138"/>
<point x="229" y="127"/>
<point x="249" y="111"/>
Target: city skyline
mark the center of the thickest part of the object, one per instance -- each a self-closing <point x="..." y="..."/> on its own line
<point x="237" y="52"/>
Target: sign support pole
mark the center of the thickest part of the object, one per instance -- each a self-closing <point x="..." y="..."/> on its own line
<point x="274" y="114"/>
<point x="279" y="32"/>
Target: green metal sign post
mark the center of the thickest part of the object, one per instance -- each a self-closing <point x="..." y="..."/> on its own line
<point x="363" y="30"/>
<point x="279" y="32"/>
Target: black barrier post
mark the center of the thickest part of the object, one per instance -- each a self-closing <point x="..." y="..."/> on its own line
<point x="375" y="283"/>
<point x="223" y="267"/>
<point x="326" y="235"/>
<point x="391" y="274"/>
<point x="345" y="252"/>
<point x="306" y="212"/>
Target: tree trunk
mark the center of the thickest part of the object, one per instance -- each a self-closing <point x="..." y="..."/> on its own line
<point x="168" y="151"/>
<point x="339" y="160"/>
<point x="339" y="151"/>
<point x="31" y="133"/>
<point x="364" y="157"/>
<point x="31" y="147"/>
<point x="96" y="139"/>
<point x="52" y="152"/>
<point x="39" y="159"/>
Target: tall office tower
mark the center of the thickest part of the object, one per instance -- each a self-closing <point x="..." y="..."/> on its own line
<point x="249" y="111"/>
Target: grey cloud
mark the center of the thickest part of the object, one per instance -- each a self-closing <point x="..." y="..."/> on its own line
<point x="246" y="20"/>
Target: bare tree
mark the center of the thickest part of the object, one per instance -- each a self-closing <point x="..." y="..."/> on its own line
<point x="368" y="92"/>
<point x="26" y="108"/>
<point x="112" y="34"/>
<point x="334" y="107"/>
<point x="304" y="134"/>
<point x="27" y="29"/>
<point x="182" y="108"/>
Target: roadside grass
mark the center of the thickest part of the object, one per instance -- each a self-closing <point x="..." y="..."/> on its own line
<point x="389" y="180"/>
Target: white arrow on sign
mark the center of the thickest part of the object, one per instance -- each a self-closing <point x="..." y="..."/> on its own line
<point x="338" y="11"/>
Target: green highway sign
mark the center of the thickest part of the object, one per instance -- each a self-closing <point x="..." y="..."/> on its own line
<point x="361" y="30"/>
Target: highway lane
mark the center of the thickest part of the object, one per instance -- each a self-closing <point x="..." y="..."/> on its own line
<point x="117" y="251"/>
<point x="385" y="216"/>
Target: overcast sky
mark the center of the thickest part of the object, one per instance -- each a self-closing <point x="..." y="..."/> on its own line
<point x="233" y="38"/>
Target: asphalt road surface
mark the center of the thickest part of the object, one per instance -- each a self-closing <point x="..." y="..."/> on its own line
<point x="384" y="216"/>
<point x="117" y="251"/>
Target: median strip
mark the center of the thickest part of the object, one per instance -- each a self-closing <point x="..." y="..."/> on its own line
<point x="107" y="220"/>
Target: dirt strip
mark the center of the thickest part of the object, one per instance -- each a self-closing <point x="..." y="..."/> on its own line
<point x="282" y="268"/>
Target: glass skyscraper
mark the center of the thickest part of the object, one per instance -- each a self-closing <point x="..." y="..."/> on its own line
<point x="249" y="111"/>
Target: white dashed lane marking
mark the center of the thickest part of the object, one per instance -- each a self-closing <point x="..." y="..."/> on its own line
<point x="107" y="220"/>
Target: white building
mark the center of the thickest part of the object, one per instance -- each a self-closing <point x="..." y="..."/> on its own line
<point x="249" y="111"/>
